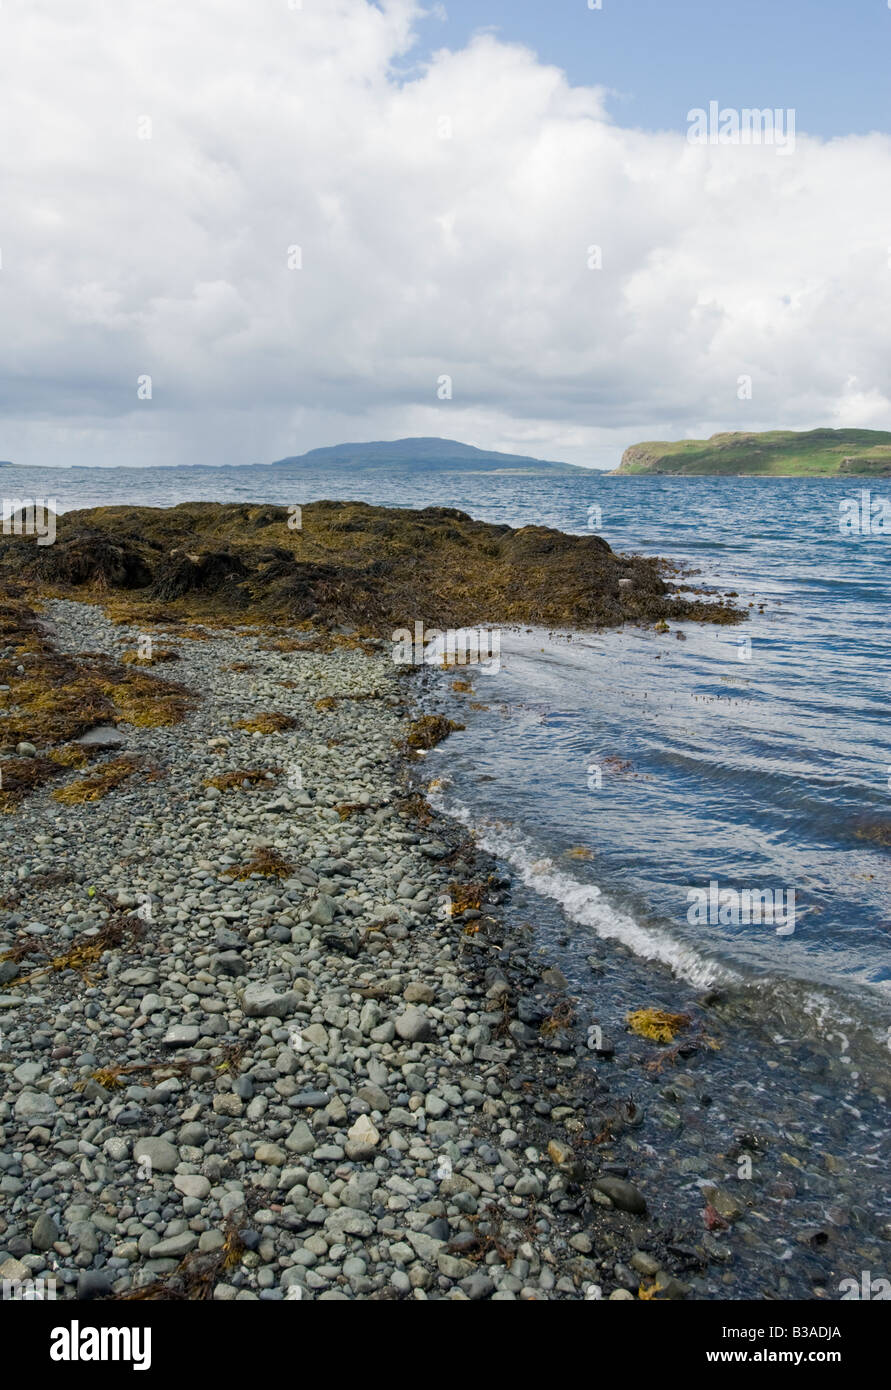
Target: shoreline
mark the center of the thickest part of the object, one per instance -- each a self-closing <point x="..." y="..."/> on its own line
<point x="256" y="1107"/>
<point x="404" y="1103"/>
<point x="778" y="1131"/>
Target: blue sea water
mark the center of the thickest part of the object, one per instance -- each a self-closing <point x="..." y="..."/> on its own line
<point x="620" y="771"/>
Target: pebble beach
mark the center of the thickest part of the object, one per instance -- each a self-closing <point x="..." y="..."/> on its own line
<point x="312" y="1085"/>
<point x="274" y="1025"/>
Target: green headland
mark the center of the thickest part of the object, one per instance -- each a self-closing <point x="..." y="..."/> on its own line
<point x="820" y="453"/>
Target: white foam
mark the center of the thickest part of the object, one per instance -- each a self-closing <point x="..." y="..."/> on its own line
<point x="584" y="903"/>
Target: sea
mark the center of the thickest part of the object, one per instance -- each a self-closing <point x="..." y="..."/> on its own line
<point x="756" y="758"/>
<point x="701" y="810"/>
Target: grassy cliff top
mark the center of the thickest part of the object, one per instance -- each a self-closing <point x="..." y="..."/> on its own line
<point x="348" y="563"/>
<point x="821" y="453"/>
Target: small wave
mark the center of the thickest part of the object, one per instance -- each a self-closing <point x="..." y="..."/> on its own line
<point x="585" y="904"/>
<point x="800" y="1006"/>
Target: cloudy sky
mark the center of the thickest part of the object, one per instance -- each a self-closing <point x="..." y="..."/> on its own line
<point x="297" y="219"/>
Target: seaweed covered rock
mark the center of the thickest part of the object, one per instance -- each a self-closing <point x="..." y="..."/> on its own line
<point x="349" y="563"/>
<point x="181" y="574"/>
<point x="89" y="555"/>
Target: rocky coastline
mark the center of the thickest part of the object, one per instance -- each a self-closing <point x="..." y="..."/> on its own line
<point x="295" y="1062"/>
<point x="270" y="1026"/>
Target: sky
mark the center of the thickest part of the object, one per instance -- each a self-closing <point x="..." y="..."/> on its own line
<point x="235" y="230"/>
<point x="826" y="58"/>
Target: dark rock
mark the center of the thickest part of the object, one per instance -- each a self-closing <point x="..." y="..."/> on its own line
<point x="622" y="1194"/>
<point x="93" y="1283"/>
<point x="477" y="1286"/>
<point x="531" y="1011"/>
<point x="313" y="1100"/>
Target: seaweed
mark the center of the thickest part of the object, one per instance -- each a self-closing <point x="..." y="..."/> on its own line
<point x="110" y="1077"/>
<point x="35" y="883"/>
<point x="487" y="1241"/>
<point x="59" y="697"/>
<point x="194" y="1277"/>
<point x="662" y="1027"/>
<point x="100" y="782"/>
<point x="560" y="1021"/>
<point x="878" y="834"/>
<point x="233" y="1054"/>
<point x="466" y="896"/>
<point x="353" y="570"/>
<point x="266" y="723"/>
<point x="417" y="808"/>
<point x="87" y="949"/>
<point x="430" y="730"/>
<point x="21" y="776"/>
<point x="266" y="863"/>
<point x="657" y="1024"/>
<point x="158" y="656"/>
<point x="72" y="755"/>
<point x="147" y="701"/>
<point x="235" y="780"/>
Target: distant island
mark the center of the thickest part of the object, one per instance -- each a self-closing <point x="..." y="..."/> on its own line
<point x="820" y="453"/>
<point x="446" y="455"/>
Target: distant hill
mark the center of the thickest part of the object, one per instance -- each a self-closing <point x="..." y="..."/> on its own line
<point x="774" y="453"/>
<point x="422" y="455"/>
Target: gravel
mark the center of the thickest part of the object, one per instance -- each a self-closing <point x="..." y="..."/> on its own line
<point x="314" y="1062"/>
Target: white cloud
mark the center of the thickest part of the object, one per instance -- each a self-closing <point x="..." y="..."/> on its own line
<point x="444" y="220"/>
